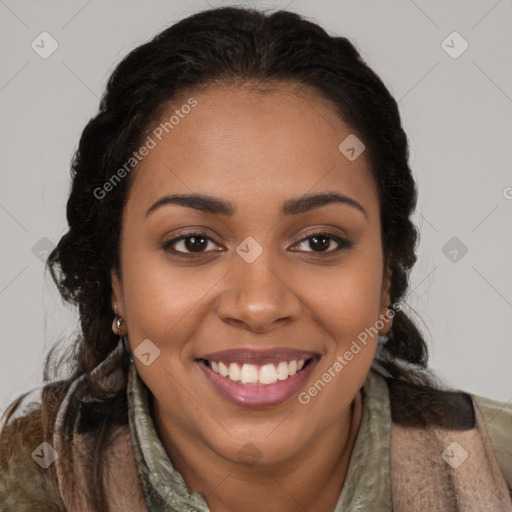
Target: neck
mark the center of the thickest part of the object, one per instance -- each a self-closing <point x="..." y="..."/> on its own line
<point x="312" y="480"/>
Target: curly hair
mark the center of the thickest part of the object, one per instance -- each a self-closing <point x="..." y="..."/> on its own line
<point x="218" y="46"/>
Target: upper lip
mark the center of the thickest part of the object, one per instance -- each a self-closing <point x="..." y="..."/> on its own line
<point x="258" y="357"/>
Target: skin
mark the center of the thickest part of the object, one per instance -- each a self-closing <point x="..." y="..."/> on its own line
<point x="255" y="150"/>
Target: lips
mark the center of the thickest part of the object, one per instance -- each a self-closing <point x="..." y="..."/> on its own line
<point x="258" y="378"/>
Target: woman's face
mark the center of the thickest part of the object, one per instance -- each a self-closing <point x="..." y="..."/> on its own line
<point x="252" y="285"/>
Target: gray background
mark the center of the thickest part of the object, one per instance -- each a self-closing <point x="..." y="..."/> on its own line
<point x="457" y="113"/>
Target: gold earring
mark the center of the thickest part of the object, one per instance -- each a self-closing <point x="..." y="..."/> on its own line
<point x="118" y="323"/>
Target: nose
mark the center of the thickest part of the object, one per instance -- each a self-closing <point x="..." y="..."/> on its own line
<point x="258" y="296"/>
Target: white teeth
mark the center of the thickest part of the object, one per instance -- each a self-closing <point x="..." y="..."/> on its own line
<point x="249" y="374"/>
<point x="268" y="374"/>
<point x="282" y="371"/>
<point x="223" y="369"/>
<point x="234" y="371"/>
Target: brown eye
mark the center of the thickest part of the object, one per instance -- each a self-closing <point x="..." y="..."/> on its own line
<point x="188" y="244"/>
<point x="321" y="242"/>
<point x="195" y="243"/>
<point x="198" y="243"/>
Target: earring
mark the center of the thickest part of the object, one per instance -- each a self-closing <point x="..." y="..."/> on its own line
<point x="118" y="326"/>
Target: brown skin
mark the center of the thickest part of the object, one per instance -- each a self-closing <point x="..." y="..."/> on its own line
<point x="255" y="150"/>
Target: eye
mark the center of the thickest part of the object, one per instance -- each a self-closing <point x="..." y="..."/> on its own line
<point x="320" y="242"/>
<point x="197" y="243"/>
<point x="188" y="243"/>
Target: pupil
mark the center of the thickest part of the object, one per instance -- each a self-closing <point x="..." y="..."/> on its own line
<point x="194" y="242"/>
<point x="324" y="245"/>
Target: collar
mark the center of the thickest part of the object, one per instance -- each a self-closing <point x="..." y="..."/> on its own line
<point x="162" y="485"/>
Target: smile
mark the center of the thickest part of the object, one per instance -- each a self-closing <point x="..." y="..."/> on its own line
<point x="258" y="379"/>
<point x="251" y="374"/>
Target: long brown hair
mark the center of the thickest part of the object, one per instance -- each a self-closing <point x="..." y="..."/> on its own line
<point x="225" y="45"/>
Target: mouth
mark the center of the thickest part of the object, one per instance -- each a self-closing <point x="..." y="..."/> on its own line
<point x="256" y="378"/>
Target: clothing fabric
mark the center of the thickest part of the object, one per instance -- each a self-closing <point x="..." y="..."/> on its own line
<point x="392" y="467"/>
<point x="367" y="484"/>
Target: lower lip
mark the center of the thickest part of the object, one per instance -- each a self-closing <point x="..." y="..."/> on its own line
<point x="258" y="395"/>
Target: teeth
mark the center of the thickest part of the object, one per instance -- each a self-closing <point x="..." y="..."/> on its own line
<point x="234" y="371"/>
<point x="250" y="374"/>
<point x="268" y="374"/>
<point x="282" y="371"/>
<point x="223" y="369"/>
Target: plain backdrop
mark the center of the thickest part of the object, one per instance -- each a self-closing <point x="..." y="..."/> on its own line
<point x="456" y="107"/>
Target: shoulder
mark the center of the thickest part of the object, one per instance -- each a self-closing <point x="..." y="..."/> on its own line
<point x="498" y="420"/>
<point x="23" y="482"/>
<point x="419" y="406"/>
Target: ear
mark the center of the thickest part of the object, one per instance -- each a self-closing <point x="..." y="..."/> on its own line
<point x="385" y="302"/>
<point x="117" y="296"/>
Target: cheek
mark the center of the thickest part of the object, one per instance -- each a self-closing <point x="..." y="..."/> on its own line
<point x="348" y="307"/>
<point x="163" y="301"/>
<point x="347" y="300"/>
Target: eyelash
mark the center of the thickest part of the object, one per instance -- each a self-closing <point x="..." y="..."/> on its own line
<point x="343" y="243"/>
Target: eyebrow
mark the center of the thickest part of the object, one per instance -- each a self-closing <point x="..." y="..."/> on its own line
<point x="215" y="205"/>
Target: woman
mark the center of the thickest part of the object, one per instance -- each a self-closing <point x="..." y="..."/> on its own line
<point x="239" y="248"/>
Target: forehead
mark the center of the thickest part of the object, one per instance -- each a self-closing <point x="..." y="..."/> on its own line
<point x="240" y="141"/>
